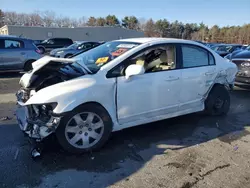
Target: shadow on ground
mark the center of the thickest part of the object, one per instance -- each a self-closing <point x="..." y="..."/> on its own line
<point x="126" y="152"/>
<point x="10" y="75"/>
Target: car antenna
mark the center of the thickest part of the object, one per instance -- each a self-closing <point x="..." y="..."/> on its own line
<point x="20" y="35"/>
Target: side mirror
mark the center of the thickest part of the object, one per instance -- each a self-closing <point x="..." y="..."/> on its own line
<point x="133" y="70"/>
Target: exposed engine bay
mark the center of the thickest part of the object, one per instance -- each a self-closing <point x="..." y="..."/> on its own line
<point x="38" y="120"/>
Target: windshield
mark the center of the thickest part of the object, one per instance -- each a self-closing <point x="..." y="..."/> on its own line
<point x="97" y="57"/>
<point x="224" y="48"/>
<point x="248" y="48"/>
<point x="73" y="46"/>
<point x="45" y="41"/>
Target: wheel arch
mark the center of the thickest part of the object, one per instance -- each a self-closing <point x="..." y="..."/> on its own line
<point x="27" y="62"/>
<point x="96" y="104"/>
<point x="40" y="46"/>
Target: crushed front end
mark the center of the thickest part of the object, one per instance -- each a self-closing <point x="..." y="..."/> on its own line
<point x="38" y="120"/>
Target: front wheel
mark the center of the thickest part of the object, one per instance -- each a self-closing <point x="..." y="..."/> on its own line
<point x="85" y="129"/>
<point x="218" y="101"/>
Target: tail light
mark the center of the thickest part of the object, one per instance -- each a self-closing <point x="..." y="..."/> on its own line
<point x="38" y="51"/>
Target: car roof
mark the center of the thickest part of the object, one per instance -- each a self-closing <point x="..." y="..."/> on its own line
<point x="12" y="36"/>
<point x="156" y="39"/>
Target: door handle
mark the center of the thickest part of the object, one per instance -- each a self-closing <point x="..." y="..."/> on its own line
<point x="22" y="53"/>
<point x="172" y="78"/>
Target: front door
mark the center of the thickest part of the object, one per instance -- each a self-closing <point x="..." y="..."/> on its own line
<point x="154" y="93"/>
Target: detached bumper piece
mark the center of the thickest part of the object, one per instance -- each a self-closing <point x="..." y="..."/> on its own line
<point x="35" y="125"/>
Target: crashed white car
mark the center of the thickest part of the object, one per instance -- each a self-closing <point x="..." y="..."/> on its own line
<point x="121" y="84"/>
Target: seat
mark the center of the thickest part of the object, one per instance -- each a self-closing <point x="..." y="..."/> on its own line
<point x="158" y="62"/>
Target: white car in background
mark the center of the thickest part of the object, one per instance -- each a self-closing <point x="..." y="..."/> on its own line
<point x="121" y="84"/>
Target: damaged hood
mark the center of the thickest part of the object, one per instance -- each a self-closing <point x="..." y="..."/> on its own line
<point x="62" y="91"/>
<point x="27" y="78"/>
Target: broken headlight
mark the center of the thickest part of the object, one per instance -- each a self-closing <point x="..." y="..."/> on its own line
<point x="44" y="109"/>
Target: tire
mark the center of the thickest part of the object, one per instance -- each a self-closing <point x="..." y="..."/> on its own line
<point x="218" y="101"/>
<point x="28" y="65"/>
<point x="68" y="55"/>
<point x="42" y="49"/>
<point x="71" y="142"/>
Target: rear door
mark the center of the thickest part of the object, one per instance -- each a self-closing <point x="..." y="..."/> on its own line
<point x="13" y="54"/>
<point x="198" y="74"/>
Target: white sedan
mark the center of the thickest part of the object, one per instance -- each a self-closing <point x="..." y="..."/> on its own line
<point x="121" y="84"/>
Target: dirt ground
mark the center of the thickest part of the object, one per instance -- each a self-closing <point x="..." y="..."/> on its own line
<point x="192" y="151"/>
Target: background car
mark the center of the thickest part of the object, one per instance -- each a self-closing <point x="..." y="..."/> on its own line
<point x="53" y="43"/>
<point x="17" y="54"/>
<point x="78" y="46"/>
<point x="242" y="59"/>
<point x="225" y="49"/>
<point x="37" y="41"/>
<point x="245" y="47"/>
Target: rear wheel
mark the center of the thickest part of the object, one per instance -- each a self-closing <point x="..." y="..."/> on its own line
<point x="85" y="129"/>
<point x="218" y="101"/>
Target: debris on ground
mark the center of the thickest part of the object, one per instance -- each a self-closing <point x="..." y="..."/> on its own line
<point x="5" y="118"/>
<point x="92" y="158"/>
<point x="236" y="148"/>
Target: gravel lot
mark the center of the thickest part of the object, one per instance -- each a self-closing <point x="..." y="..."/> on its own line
<point x="184" y="152"/>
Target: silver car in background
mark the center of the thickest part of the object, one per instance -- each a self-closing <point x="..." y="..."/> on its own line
<point x="77" y="47"/>
<point x="17" y="54"/>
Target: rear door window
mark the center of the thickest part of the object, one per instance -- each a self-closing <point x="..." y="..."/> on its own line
<point x="12" y="44"/>
<point x="194" y="56"/>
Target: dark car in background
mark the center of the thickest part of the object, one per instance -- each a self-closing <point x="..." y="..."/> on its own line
<point x="225" y="49"/>
<point x="53" y="43"/>
<point x="78" y="46"/>
<point x="242" y="59"/>
<point x="37" y="41"/>
<point x="17" y="54"/>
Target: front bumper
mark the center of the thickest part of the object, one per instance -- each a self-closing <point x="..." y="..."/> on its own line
<point x="242" y="81"/>
<point x="32" y="125"/>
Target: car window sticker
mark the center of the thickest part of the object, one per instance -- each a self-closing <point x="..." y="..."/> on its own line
<point x="102" y="60"/>
<point x="119" y="51"/>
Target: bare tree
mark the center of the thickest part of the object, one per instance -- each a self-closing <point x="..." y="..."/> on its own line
<point x="150" y="30"/>
<point x="100" y="21"/>
<point x="1" y="18"/>
<point x="35" y="20"/>
<point x="63" y="22"/>
<point x="142" y="23"/>
<point x="11" y="18"/>
<point x="82" y="22"/>
<point x="48" y="18"/>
